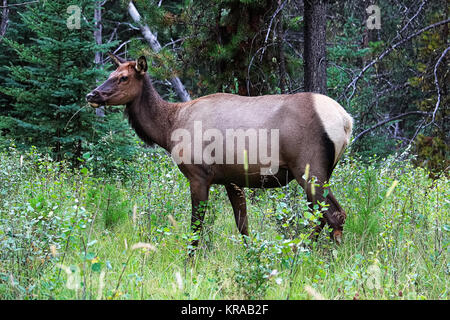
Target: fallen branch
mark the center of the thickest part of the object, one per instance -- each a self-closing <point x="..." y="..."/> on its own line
<point x="379" y="124"/>
<point x="155" y="45"/>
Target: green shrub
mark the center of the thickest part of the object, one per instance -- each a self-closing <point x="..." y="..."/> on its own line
<point x="112" y="203"/>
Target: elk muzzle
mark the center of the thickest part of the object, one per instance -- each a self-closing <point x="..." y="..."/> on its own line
<point x="94" y="99"/>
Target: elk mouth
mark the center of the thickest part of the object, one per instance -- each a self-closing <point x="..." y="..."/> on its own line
<point x="94" y="105"/>
<point x="94" y="99"/>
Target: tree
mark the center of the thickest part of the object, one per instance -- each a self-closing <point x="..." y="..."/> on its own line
<point x="229" y="45"/>
<point x="315" y="46"/>
<point x="156" y="47"/>
<point x="100" y="112"/>
<point x="49" y="85"/>
<point x="432" y="145"/>
<point x="393" y="79"/>
<point x="4" y="21"/>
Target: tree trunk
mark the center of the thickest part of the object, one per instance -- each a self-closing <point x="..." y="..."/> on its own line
<point x="281" y="58"/>
<point x="154" y="44"/>
<point x="315" y="46"/>
<point x="100" y="112"/>
<point x="369" y="35"/>
<point x="4" y="23"/>
<point x="98" y="30"/>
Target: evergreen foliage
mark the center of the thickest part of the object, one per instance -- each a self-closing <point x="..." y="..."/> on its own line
<point x="46" y="84"/>
<point x="49" y="85"/>
<point x="250" y="47"/>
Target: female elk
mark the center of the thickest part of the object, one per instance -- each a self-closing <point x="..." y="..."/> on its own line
<point x="311" y="130"/>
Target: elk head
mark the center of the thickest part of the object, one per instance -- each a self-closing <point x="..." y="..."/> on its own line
<point x="122" y="86"/>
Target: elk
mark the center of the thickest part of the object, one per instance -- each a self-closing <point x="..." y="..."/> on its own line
<point x="312" y="129"/>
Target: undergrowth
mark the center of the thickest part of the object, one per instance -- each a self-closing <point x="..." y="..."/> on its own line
<point x="67" y="234"/>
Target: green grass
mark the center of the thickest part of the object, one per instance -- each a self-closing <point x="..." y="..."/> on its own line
<point x="65" y="234"/>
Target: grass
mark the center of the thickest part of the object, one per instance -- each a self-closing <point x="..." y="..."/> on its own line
<point x="66" y="234"/>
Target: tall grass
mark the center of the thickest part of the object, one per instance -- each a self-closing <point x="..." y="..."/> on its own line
<point x="65" y="234"/>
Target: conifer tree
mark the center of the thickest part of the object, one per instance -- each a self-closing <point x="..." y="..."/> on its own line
<point x="48" y="86"/>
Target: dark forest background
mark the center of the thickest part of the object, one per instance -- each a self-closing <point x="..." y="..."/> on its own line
<point x="392" y="77"/>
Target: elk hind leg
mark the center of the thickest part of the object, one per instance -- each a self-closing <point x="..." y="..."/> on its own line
<point x="237" y="199"/>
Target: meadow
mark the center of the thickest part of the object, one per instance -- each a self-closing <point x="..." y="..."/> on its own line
<point x="70" y="233"/>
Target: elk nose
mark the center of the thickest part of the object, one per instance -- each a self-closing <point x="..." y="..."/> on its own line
<point x="94" y="94"/>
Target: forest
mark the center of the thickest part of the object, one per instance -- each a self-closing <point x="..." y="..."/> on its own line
<point x="89" y="210"/>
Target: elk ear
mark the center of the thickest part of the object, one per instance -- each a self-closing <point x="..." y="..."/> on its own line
<point x="117" y="61"/>
<point x="141" y="65"/>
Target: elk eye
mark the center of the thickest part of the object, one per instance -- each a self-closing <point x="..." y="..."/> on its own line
<point x="123" y="79"/>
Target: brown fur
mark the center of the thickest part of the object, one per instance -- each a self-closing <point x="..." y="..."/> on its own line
<point x="303" y="139"/>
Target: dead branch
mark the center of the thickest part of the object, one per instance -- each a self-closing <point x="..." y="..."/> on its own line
<point x="379" y="124"/>
<point x="391" y="48"/>
<point x="399" y="34"/>
<point x="156" y="46"/>
<point x="436" y="83"/>
<point x="280" y="7"/>
<point x="17" y="4"/>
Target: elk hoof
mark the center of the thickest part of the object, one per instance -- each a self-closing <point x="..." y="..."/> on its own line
<point x="337" y="236"/>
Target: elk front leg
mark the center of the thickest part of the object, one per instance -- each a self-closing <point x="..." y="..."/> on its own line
<point x="335" y="217"/>
<point x="199" y="199"/>
<point x="334" y="214"/>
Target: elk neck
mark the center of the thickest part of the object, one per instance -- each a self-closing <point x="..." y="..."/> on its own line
<point x="151" y="116"/>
